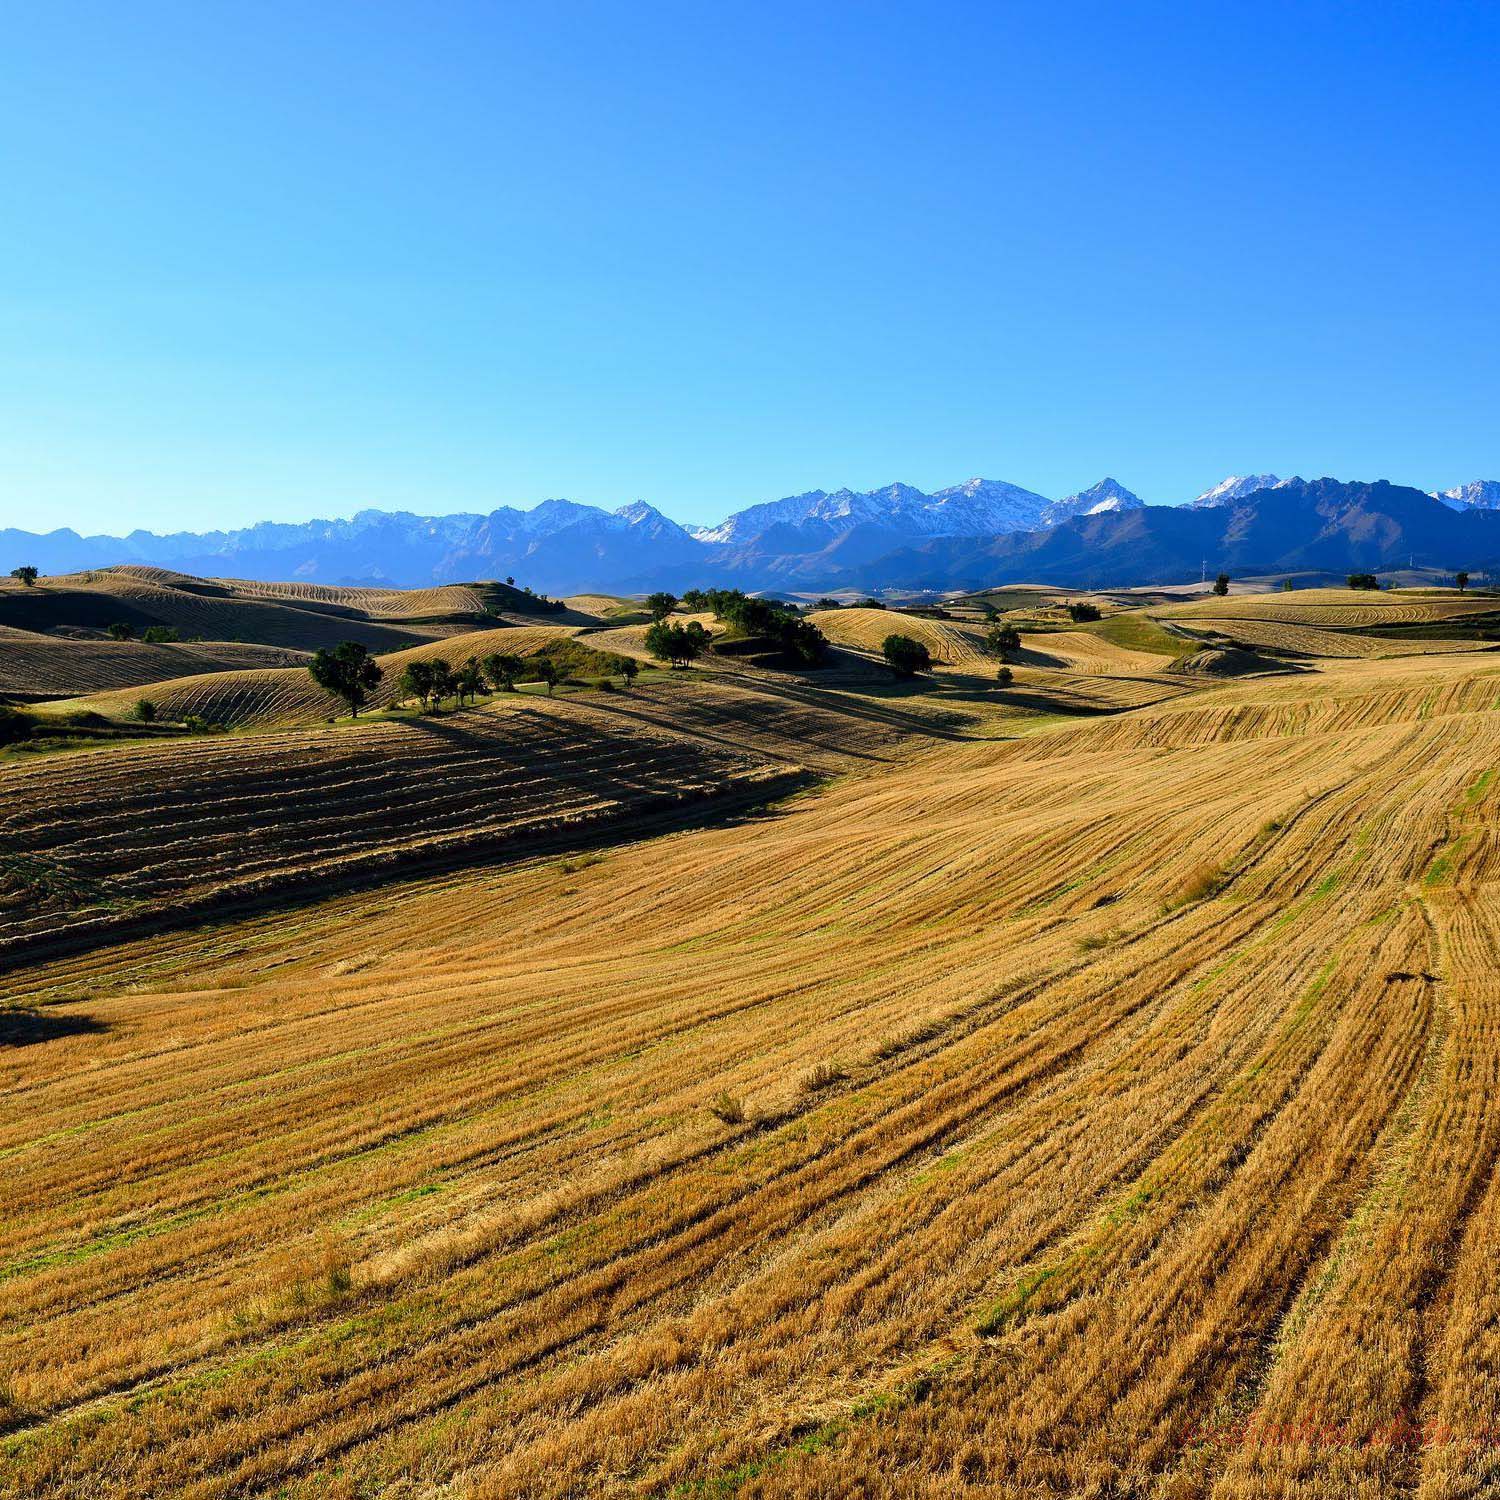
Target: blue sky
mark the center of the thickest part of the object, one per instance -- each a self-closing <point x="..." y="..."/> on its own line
<point x="275" y="260"/>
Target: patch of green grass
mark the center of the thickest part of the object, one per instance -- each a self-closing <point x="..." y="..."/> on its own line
<point x="1136" y="632"/>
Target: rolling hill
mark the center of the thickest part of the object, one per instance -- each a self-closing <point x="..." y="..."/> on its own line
<point x="1059" y="1098"/>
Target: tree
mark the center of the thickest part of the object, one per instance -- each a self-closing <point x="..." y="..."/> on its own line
<point x="145" y="711"/>
<point x="1081" y="611"/>
<point x="26" y="574"/>
<point x="904" y="656"/>
<point x="680" y="645"/>
<point x="871" y="604"/>
<point x="661" y="604"/>
<point x="1363" y="581"/>
<point x="628" y="670"/>
<point x="1004" y="677"/>
<point x="442" y="683"/>
<point x="1003" y="639"/>
<point x="348" y="672"/>
<point x="1287" y="585"/>
<point x="546" y="671"/>
<point x="1461" y="578"/>
<point x="415" y="682"/>
<point x="160" y="635"/>
<point x="511" y="582"/>
<point x="501" y="670"/>
<point x="119" y="631"/>
<point x="469" y="679"/>
<point x="1221" y="584"/>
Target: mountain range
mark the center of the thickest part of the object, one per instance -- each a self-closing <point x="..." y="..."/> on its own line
<point x="966" y="535"/>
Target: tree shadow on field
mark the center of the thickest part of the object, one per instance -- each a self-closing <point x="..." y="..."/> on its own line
<point x="22" y="1027"/>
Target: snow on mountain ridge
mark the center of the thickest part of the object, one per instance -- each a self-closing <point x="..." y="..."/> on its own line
<point x="1478" y="494"/>
<point x="1235" y="487"/>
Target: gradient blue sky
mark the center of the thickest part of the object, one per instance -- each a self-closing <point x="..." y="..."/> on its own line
<point x="277" y="260"/>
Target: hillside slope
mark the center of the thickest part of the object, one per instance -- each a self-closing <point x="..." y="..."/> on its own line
<point x="1028" y="1118"/>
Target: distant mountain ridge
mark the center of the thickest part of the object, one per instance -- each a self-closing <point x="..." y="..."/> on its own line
<point x="894" y="536"/>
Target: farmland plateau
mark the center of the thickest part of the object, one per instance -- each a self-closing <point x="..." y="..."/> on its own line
<point x="748" y="1080"/>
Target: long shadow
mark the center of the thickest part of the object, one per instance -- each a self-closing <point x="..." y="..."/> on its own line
<point x="22" y="1027"/>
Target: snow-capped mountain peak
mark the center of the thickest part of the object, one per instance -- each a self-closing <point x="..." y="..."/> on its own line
<point x="1478" y="494"/>
<point x="1107" y="495"/>
<point x="1236" y="487"/>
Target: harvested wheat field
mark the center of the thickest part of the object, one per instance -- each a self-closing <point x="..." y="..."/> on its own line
<point x="278" y="697"/>
<point x="1100" y="1107"/>
<point x="951" y="643"/>
<point x="33" y="665"/>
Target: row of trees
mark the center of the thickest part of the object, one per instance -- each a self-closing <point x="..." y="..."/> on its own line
<point x="349" y="672"/>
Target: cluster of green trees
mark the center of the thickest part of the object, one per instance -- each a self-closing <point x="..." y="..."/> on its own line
<point x="779" y="623"/>
<point x="680" y="645"/>
<point x="431" y="681"/>
<point x="1081" y="612"/>
<point x="1363" y="581"/>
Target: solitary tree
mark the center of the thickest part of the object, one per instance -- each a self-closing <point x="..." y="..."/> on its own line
<point x="145" y="711"/>
<point x="469" y="679"/>
<point x="348" y="672"/>
<point x="1081" y="611"/>
<point x="546" y="671"/>
<point x="661" y="604"/>
<point x="1287" y="585"/>
<point x="1461" y="578"/>
<point x="1363" y="581"/>
<point x="501" y="670"/>
<point x="628" y="669"/>
<point x="1003" y="639"/>
<point x="27" y="575"/>
<point x="904" y="656"/>
<point x="119" y="631"/>
<point x="1221" y="584"/>
<point x="1004" y="677"/>
<point x="415" y="682"/>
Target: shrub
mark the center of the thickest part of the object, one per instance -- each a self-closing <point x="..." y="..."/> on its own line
<point x="823" y="1076"/>
<point x="1202" y="881"/>
<point x="726" y="1109"/>
<point x="904" y="656"/>
<point x="14" y="726"/>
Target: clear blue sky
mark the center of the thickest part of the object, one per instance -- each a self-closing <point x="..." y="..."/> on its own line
<point x="282" y="259"/>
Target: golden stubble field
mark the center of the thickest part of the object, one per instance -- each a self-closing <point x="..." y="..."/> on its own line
<point x="1105" y="1110"/>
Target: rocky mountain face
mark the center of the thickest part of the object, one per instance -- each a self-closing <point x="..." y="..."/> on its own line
<point x="970" y="533"/>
